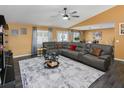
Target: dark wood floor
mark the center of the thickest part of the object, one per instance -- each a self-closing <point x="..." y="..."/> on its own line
<point x="113" y="78"/>
<point x="18" y="82"/>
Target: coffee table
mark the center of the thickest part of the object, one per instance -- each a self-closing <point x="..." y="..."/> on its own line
<point x="51" y="64"/>
<point x="51" y="56"/>
<point x="51" y="60"/>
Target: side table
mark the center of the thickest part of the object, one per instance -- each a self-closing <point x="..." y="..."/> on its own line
<point x="40" y="51"/>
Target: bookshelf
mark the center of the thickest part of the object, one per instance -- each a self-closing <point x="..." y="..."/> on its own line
<point x="2" y="54"/>
<point x="6" y="56"/>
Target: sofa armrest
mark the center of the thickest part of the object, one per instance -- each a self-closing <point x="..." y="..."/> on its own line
<point x="104" y="57"/>
<point x="107" y="59"/>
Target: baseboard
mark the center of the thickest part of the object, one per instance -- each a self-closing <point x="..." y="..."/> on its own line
<point x="22" y="55"/>
<point x="119" y="59"/>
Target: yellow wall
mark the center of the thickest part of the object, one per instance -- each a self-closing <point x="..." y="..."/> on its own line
<point x="21" y="44"/>
<point x="115" y="14"/>
<point x="108" y="36"/>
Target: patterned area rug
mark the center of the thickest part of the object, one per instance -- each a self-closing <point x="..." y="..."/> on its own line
<point x="69" y="74"/>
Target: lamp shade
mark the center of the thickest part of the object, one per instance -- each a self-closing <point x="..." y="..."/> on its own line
<point x="2" y="20"/>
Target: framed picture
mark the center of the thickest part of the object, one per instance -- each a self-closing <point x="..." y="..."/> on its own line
<point x="14" y="32"/>
<point x="23" y="31"/>
<point x="97" y="35"/>
<point x="121" y="29"/>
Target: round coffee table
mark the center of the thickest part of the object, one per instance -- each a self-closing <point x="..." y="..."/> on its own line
<point x="51" y="56"/>
<point x="51" y="64"/>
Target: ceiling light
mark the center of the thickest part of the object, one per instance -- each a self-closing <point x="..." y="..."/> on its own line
<point x="65" y="17"/>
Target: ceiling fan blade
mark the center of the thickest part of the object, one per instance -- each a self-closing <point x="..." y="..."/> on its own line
<point x="75" y="16"/>
<point x="73" y="12"/>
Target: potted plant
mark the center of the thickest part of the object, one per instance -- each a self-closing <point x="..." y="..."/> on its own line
<point x="77" y="38"/>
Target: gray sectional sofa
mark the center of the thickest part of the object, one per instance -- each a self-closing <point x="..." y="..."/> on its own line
<point x="83" y="53"/>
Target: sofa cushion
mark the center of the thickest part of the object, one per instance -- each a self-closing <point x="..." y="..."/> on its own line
<point x="69" y="53"/>
<point x="50" y="46"/>
<point x="88" y="48"/>
<point x="80" y="54"/>
<point x="58" y="45"/>
<point x="65" y="45"/>
<point x="78" y="49"/>
<point x="93" y="61"/>
<point x="52" y="50"/>
<point x="104" y="57"/>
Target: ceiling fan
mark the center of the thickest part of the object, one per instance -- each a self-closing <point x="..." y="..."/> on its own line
<point x="67" y="16"/>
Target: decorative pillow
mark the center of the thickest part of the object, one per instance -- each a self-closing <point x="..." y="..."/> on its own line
<point x="73" y="47"/>
<point x="59" y="46"/>
<point x="96" y="52"/>
<point x="56" y="46"/>
<point x="79" y="46"/>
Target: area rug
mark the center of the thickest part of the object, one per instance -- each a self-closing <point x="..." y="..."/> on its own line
<point x="69" y="74"/>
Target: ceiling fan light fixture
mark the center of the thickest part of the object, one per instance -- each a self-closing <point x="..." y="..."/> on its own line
<point x="65" y="17"/>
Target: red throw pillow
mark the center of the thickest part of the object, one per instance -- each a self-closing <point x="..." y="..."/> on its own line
<point x="73" y="47"/>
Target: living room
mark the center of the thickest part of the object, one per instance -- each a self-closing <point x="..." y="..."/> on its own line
<point x="65" y="47"/>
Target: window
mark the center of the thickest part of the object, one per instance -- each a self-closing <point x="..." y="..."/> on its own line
<point x="76" y="36"/>
<point x="42" y="36"/>
<point x="62" y="36"/>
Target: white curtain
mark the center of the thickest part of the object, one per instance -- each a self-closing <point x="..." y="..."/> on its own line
<point x="62" y="36"/>
<point x="42" y="36"/>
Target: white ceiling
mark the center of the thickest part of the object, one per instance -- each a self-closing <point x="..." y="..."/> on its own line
<point x="41" y="14"/>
